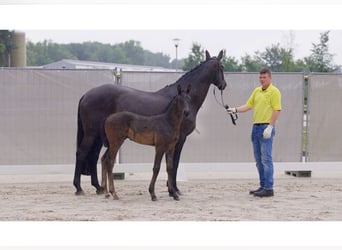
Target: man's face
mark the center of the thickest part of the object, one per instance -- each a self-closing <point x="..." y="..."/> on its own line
<point x="265" y="80"/>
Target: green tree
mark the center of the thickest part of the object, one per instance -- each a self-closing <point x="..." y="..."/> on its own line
<point x="251" y="64"/>
<point x="134" y="52"/>
<point x="195" y="57"/>
<point x="6" y="47"/>
<point x="277" y="58"/>
<point x="230" y="63"/>
<point x="46" y="52"/>
<point x="157" y="59"/>
<point x="129" y="52"/>
<point x="36" y="53"/>
<point x="320" y="59"/>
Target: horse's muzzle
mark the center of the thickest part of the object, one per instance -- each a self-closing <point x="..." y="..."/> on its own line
<point x="223" y="85"/>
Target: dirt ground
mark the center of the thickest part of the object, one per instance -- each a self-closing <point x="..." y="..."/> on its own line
<point x="214" y="197"/>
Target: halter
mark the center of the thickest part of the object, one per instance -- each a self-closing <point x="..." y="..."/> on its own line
<point x="234" y="116"/>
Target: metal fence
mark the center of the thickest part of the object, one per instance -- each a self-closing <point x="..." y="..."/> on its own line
<point x="38" y="117"/>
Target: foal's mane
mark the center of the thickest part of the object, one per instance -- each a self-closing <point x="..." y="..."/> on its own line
<point x="169" y="106"/>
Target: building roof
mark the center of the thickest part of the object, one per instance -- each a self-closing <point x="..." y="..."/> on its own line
<point x="78" y="64"/>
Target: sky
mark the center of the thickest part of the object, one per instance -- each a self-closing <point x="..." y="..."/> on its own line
<point x="238" y="28"/>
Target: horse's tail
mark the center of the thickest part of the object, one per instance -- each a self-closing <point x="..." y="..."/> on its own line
<point x="80" y="134"/>
<point x="80" y="131"/>
<point x="104" y="138"/>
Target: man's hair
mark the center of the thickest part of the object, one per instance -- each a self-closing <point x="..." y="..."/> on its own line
<point x="265" y="71"/>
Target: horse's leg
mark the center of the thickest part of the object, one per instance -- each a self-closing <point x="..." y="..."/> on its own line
<point x="93" y="157"/>
<point x="156" y="167"/>
<point x="169" y="169"/>
<point x="176" y="158"/>
<point x="104" y="165"/>
<point x="81" y="155"/>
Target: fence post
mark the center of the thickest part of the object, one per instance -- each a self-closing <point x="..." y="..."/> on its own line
<point x="306" y="115"/>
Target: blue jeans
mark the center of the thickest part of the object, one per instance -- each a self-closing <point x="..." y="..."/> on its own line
<point x="263" y="155"/>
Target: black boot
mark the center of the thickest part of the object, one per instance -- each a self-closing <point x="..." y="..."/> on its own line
<point x="264" y="193"/>
<point x="257" y="190"/>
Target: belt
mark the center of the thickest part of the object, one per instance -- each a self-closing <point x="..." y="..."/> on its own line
<point x="260" y="124"/>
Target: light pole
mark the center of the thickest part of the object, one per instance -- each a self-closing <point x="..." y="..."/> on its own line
<point x="176" y="42"/>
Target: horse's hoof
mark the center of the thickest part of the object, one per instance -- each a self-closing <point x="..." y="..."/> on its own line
<point x="176" y="198"/>
<point x="154" y="198"/>
<point x="174" y="195"/>
<point x="79" y="192"/>
<point x="107" y="195"/>
<point x="178" y="193"/>
<point x="100" y="190"/>
<point x="115" y="197"/>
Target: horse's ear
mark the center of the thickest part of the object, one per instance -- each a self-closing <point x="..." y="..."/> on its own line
<point x="207" y="55"/>
<point x="219" y="57"/>
<point x="188" y="89"/>
<point x="179" y="89"/>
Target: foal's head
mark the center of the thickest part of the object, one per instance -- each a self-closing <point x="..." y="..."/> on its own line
<point x="182" y="101"/>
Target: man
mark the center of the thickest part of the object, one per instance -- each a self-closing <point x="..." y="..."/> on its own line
<point x="266" y="104"/>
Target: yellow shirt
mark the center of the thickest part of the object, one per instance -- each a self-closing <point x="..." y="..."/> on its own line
<point x="264" y="102"/>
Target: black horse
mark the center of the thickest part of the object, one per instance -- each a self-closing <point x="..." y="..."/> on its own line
<point x="98" y="103"/>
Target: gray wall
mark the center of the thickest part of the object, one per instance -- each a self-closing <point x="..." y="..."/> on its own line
<point x="38" y="113"/>
<point x="325" y="118"/>
<point x="38" y="117"/>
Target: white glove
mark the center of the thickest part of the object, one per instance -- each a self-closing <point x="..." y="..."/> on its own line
<point x="231" y="110"/>
<point x="268" y="132"/>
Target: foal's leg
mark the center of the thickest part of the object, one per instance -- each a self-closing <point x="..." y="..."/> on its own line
<point x="112" y="155"/>
<point x="169" y="169"/>
<point x="156" y="167"/>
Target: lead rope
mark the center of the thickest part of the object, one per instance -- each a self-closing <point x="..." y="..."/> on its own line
<point x="234" y="116"/>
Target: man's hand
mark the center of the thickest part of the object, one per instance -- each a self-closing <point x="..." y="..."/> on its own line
<point x="268" y="132"/>
<point x="231" y="110"/>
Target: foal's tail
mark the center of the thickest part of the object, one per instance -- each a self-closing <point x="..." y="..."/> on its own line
<point x="104" y="138"/>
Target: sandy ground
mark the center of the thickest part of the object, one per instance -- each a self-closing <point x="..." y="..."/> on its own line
<point x="219" y="195"/>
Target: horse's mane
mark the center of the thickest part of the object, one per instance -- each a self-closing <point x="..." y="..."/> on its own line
<point x="190" y="72"/>
<point x="194" y="69"/>
<point x="186" y="75"/>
